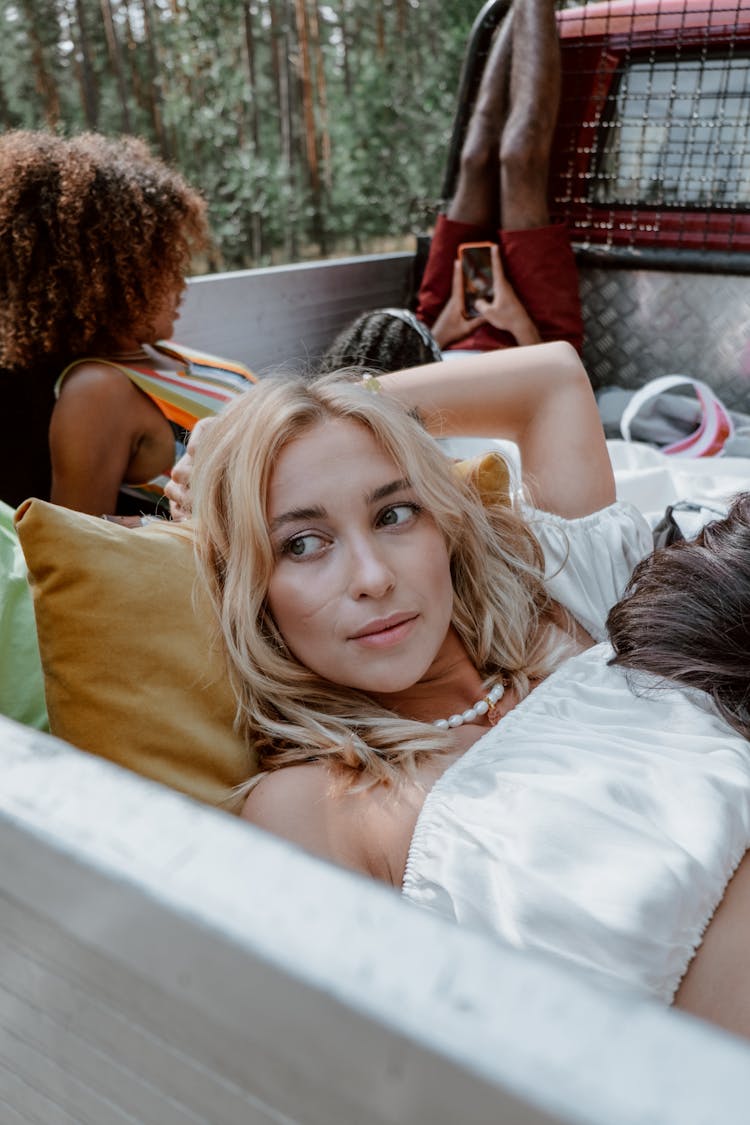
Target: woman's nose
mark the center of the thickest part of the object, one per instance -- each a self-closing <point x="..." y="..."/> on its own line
<point x="371" y="574"/>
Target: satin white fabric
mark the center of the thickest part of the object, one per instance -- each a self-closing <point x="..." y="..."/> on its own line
<point x="589" y="560"/>
<point x="597" y="823"/>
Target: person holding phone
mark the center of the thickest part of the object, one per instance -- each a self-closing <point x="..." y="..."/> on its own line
<point x="501" y="198"/>
<point x="500" y="202"/>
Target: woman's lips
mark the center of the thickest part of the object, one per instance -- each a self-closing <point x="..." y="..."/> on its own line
<point x="385" y="632"/>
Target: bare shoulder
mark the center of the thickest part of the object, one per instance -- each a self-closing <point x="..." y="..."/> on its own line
<point x="104" y="430"/>
<point x="716" y="986"/>
<point x="91" y="377"/>
<point x="303" y="804"/>
<point x="311" y="806"/>
<point x="297" y="795"/>
<point x="99" y="399"/>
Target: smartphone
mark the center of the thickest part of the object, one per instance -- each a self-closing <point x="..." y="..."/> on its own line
<point x="476" y="268"/>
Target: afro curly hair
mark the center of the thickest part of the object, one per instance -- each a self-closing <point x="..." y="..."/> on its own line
<point x="95" y="233"/>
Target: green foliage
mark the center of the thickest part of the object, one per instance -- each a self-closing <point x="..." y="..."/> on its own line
<point x="223" y="95"/>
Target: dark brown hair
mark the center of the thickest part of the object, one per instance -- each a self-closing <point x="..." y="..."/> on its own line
<point x="685" y="615"/>
<point x="95" y="233"/>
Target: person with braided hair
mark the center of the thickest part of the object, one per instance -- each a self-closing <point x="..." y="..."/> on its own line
<point x="384" y="340"/>
<point x="501" y="197"/>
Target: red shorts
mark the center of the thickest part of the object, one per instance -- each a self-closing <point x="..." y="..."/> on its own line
<point x="538" y="263"/>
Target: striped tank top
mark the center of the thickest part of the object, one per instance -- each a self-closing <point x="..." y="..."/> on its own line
<point x="192" y="386"/>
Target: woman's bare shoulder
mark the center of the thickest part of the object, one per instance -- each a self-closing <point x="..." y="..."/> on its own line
<point x="304" y="804"/>
<point x="312" y="806"/>
<point x="289" y="799"/>
<point x="87" y="376"/>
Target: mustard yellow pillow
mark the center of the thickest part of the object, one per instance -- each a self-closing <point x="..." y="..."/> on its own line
<point x="489" y="474"/>
<point x="129" y="668"/>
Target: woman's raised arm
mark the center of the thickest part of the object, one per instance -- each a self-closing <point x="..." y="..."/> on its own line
<point x="538" y="396"/>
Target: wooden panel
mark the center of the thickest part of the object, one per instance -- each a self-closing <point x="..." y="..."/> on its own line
<point x="287" y="314"/>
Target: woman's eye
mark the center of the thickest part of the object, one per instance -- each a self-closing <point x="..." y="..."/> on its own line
<point x="302" y="546"/>
<point x="397" y="514"/>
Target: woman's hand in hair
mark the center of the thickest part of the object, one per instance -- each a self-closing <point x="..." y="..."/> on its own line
<point x="177" y="490"/>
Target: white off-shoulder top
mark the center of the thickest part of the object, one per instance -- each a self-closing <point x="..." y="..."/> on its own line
<point x="598" y="823"/>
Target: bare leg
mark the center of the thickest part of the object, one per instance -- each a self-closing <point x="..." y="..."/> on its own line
<point x="534" y="100"/>
<point x="477" y="196"/>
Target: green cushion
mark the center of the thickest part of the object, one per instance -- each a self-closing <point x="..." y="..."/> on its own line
<point x="21" y="680"/>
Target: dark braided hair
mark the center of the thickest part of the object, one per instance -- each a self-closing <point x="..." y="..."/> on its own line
<point x="382" y="340"/>
<point x="685" y="615"/>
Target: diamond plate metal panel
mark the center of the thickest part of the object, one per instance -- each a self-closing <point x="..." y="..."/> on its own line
<point x="645" y="323"/>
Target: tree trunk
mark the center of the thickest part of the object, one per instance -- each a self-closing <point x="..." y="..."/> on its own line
<point x="289" y="70"/>
<point x="6" y="118"/>
<point x="345" y="63"/>
<point x="44" y="78"/>
<point x="153" y="85"/>
<point x="87" y="76"/>
<point x="248" y="14"/>
<point x="311" y="135"/>
<point x="136" y="84"/>
<point x="401" y="18"/>
<point x="282" y="78"/>
<point x="115" y="59"/>
<point x="308" y="109"/>
<point x="251" y="112"/>
<point x="277" y="35"/>
<point x="322" y="93"/>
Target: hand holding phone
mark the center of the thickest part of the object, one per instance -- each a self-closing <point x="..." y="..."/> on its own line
<point x="476" y="271"/>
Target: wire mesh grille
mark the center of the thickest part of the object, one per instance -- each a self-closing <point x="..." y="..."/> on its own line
<point x="678" y="136"/>
<point x="653" y="140"/>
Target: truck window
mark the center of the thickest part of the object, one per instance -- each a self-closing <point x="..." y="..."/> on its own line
<point x="676" y="135"/>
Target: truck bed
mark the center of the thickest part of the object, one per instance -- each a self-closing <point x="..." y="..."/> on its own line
<point x="163" y="964"/>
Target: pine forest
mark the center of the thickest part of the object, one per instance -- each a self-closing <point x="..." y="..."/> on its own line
<point x="312" y="129"/>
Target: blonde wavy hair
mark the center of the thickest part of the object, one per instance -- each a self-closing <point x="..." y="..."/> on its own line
<point x="501" y="609"/>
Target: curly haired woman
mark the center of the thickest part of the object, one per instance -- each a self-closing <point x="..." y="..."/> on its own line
<point x="96" y="239"/>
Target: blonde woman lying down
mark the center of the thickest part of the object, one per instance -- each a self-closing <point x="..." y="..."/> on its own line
<point x="429" y="684"/>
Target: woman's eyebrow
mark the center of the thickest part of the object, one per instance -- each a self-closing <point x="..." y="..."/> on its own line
<point x="295" y="514"/>
<point x="388" y="489"/>
<point x="319" y="513"/>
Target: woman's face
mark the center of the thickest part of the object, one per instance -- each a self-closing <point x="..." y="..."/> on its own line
<point x="167" y="313"/>
<point x="361" y="589"/>
<point x="162" y="315"/>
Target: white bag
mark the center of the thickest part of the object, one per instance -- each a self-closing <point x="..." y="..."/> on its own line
<point x="715" y="427"/>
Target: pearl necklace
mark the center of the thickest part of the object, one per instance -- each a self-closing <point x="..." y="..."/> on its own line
<point x="484" y="706"/>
